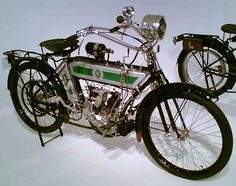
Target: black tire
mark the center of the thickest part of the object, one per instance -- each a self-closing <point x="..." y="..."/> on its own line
<point x="203" y="68"/>
<point x="31" y="84"/>
<point x="202" y="148"/>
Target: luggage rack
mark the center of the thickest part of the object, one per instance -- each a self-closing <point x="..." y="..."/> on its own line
<point x="14" y="55"/>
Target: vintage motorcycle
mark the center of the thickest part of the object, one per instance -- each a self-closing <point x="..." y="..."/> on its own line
<point x="182" y="128"/>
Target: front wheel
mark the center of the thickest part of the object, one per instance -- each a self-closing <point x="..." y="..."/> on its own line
<point x="188" y="135"/>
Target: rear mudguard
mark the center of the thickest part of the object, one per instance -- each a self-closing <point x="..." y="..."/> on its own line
<point x="212" y="41"/>
<point x="168" y="89"/>
<point x="16" y="64"/>
<point x="194" y="36"/>
<point x="205" y="39"/>
<point x="51" y="73"/>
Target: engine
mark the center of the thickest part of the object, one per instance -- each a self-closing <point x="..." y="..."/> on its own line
<point x="102" y="110"/>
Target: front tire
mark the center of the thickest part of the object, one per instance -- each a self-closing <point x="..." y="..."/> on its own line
<point x="193" y="141"/>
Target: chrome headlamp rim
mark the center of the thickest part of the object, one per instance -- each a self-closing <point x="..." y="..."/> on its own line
<point x="153" y="27"/>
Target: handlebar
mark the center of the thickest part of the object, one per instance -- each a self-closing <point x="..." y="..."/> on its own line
<point x="126" y="22"/>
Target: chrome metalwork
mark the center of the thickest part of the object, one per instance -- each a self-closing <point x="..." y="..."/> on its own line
<point x="153" y="27"/>
<point x="127" y="81"/>
<point x="128" y="11"/>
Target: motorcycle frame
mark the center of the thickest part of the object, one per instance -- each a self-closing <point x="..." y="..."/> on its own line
<point x="155" y="76"/>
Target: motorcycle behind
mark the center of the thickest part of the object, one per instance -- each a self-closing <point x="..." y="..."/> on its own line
<point x="182" y="128"/>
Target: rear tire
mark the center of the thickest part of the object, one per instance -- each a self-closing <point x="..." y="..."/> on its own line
<point x="32" y="84"/>
<point x="204" y="69"/>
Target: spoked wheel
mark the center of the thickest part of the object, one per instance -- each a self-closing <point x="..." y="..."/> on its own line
<point x="207" y="69"/>
<point x="187" y="135"/>
<point x="32" y="87"/>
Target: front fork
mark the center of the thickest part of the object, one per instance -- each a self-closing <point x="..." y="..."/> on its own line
<point x="172" y="118"/>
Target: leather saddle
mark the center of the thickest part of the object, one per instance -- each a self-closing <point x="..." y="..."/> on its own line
<point x="229" y="28"/>
<point x="61" y="46"/>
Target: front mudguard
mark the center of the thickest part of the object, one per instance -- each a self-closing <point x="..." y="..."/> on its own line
<point x="168" y="89"/>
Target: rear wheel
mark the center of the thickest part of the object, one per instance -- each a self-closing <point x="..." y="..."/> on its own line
<point x="32" y="86"/>
<point x="187" y="135"/>
<point x="206" y="68"/>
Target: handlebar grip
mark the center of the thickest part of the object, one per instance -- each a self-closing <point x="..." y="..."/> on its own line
<point x="114" y="29"/>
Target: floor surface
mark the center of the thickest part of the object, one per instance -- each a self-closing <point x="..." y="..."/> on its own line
<point x="84" y="158"/>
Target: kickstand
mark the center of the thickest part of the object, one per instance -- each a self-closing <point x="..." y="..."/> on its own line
<point x="39" y="131"/>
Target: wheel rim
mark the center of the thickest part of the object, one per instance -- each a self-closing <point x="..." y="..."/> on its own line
<point x="199" y="144"/>
<point x="27" y="104"/>
<point x="203" y="68"/>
